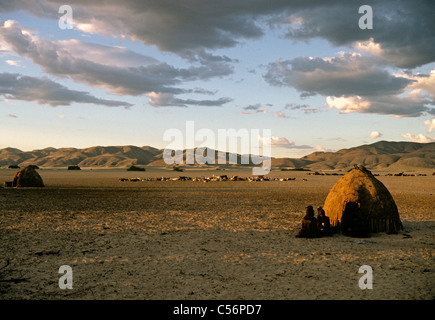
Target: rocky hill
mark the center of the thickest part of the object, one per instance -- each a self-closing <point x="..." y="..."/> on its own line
<point x="380" y="155"/>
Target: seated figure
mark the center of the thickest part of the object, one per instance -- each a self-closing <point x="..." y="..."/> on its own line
<point x="323" y="223"/>
<point x="309" y="225"/>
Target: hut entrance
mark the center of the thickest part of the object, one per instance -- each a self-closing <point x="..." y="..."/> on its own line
<point x="353" y="221"/>
<point x="351" y="209"/>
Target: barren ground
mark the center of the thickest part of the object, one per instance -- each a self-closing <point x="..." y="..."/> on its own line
<point x="195" y="240"/>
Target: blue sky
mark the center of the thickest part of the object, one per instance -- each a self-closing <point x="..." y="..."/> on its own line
<point x="130" y="70"/>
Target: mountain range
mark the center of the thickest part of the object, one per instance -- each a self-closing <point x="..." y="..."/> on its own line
<point x="379" y="155"/>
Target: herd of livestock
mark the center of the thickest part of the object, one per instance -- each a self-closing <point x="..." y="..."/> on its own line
<point x="249" y="179"/>
<point x="208" y="179"/>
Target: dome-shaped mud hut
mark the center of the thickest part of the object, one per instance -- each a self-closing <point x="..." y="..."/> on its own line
<point x="27" y="177"/>
<point x="359" y="195"/>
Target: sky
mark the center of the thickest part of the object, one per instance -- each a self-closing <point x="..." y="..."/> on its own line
<point x="321" y="75"/>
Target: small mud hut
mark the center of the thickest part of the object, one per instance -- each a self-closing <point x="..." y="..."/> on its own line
<point x="27" y="177"/>
<point x="359" y="193"/>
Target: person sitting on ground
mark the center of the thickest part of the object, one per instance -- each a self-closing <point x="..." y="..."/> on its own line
<point x="323" y="223"/>
<point x="309" y="225"/>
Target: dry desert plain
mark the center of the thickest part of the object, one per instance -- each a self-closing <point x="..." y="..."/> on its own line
<point x="194" y="240"/>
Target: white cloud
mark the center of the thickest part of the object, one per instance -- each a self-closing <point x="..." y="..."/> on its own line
<point x="320" y="148"/>
<point x="423" y="84"/>
<point x="280" y="114"/>
<point x="281" y="142"/>
<point x="15" y="63"/>
<point x="87" y="27"/>
<point x="369" y="46"/>
<point x="408" y="106"/>
<point x="355" y="83"/>
<point x="348" y="104"/>
<point x="430" y="124"/>
<point x="418" y="138"/>
<point x="375" y="134"/>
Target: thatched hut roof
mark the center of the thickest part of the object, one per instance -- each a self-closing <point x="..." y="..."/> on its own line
<point x="27" y="177"/>
<point x="373" y="198"/>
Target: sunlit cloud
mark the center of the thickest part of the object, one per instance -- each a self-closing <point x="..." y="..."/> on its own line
<point x="281" y="142"/>
<point x="420" y="138"/>
<point x="15" y="63"/>
<point x="375" y="134"/>
<point x="430" y="124"/>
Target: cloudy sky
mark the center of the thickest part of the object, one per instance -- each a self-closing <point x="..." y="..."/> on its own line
<point x="127" y="71"/>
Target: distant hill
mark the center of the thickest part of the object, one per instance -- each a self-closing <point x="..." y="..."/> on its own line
<point x="379" y="155"/>
<point x="121" y="156"/>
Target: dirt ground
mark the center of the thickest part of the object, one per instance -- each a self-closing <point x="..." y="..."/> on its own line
<point x="194" y="240"/>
